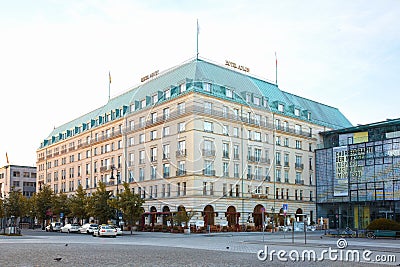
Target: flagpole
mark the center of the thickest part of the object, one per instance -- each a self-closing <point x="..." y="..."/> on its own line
<point x="276" y="70"/>
<point x="109" y="85"/>
<point x="197" y="40"/>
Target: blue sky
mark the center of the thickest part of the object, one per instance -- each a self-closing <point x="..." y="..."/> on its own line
<point x="55" y="55"/>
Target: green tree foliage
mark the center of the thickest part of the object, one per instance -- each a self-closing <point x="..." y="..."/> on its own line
<point x="99" y="204"/>
<point x="78" y="204"/>
<point x="1" y="208"/>
<point x="43" y="203"/>
<point x="15" y="204"/>
<point x="61" y="204"/>
<point x="130" y="204"/>
<point x="384" y="224"/>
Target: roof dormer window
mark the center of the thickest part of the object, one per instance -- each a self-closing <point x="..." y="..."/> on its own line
<point x="281" y="107"/>
<point x="297" y="112"/>
<point x="207" y="87"/>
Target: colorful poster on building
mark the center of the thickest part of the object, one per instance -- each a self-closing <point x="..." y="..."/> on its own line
<point x="341" y="179"/>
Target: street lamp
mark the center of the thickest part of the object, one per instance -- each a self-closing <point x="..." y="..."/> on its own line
<point x="113" y="178"/>
<point x="273" y="222"/>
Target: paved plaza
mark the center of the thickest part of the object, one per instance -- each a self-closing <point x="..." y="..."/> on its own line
<point x="38" y="248"/>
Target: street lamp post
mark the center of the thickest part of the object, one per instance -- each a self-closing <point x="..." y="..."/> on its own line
<point x="273" y="222"/>
<point x="113" y="178"/>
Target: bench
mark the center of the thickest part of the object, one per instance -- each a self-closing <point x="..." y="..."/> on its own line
<point x="386" y="233"/>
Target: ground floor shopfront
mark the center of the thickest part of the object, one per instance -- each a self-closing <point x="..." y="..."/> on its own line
<point x="358" y="215"/>
<point x="232" y="214"/>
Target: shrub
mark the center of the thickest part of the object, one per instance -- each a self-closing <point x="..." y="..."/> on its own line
<point x="384" y="224"/>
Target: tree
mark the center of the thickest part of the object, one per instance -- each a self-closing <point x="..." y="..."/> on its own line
<point x="15" y="204"/>
<point x="99" y="204"/>
<point x="78" y="203"/>
<point x="1" y="208"/>
<point x="130" y="204"/>
<point x="61" y="204"/>
<point x="43" y="203"/>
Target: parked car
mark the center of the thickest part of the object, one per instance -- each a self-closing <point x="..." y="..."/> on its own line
<point x="70" y="228"/>
<point x="88" y="228"/>
<point x="53" y="227"/>
<point x="119" y="230"/>
<point x="105" y="230"/>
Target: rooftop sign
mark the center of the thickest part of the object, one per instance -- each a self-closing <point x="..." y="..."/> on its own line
<point x="151" y="75"/>
<point x="236" y="66"/>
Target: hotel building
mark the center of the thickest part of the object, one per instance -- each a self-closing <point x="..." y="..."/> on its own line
<point x="200" y="136"/>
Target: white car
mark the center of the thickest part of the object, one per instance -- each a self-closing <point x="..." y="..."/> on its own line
<point x="119" y="230"/>
<point x="105" y="230"/>
<point x="53" y="227"/>
<point x="70" y="228"/>
<point x="88" y="228"/>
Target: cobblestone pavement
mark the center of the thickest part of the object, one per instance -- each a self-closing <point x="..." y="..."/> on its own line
<point x="36" y="248"/>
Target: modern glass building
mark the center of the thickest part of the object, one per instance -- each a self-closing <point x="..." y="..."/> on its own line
<point x="358" y="174"/>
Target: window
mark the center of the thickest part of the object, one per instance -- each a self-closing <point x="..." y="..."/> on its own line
<point x="184" y="188"/>
<point x="236" y="170"/>
<point x="166" y="151"/>
<point x="153" y="135"/>
<point x="153" y="154"/>
<point x="224" y="192"/>
<point x="286" y="160"/>
<point x="281" y="107"/>
<point x="141" y="156"/>
<point x="297" y="129"/>
<point x="298" y="144"/>
<point x="209" y="167"/>
<point x="143" y="103"/>
<point x="181" y="127"/>
<point x="153" y="117"/>
<point x="257" y="119"/>
<point x="286" y="174"/>
<point x="181" y="108"/>
<point x="207" y="87"/>
<point x="167" y="93"/>
<point x="181" y="168"/>
<point x="225" y="169"/>
<point x="166" y="169"/>
<point x="182" y="145"/>
<point x="142" y="121"/>
<point x="297" y="112"/>
<point x="257" y="154"/>
<point x="204" y="188"/>
<point x="236" y="113"/>
<point x="182" y="87"/>
<point x="236" y="132"/>
<point x="286" y="126"/>
<point x="142" y="138"/>
<point x="166" y="131"/>
<point x="228" y="93"/>
<point x="225" y="129"/>
<point x="208" y="126"/>
<point x="153" y="172"/>
<point x="256" y="101"/>
<point x="154" y="98"/>
<point x="236" y="151"/>
<point x="286" y="142"/>
<point x="278" y="158"/>
<point x="225" y="111"/>
<point x="278" y="175"/>
<point x="225" y="150"/>
<point x="166" y="113"/>
<point x="257" y="136"/>
<point x="208" y="107"/>
<point x="278" y="140"/>
<point x="141" y="174"/>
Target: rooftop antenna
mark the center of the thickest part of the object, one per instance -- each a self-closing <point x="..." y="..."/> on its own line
<point x="197" y="40"/>
<point x="276" y="70"/>
<point x="109" y="85"/>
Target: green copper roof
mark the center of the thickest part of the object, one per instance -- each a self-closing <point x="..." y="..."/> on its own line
<point x="195" y="72"/>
